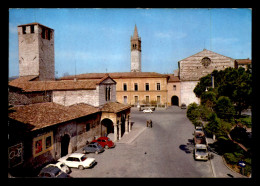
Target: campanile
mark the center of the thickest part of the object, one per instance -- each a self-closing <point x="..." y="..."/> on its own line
<point x="135" y="52"/>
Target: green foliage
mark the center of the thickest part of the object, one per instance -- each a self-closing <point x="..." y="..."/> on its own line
<point x="224" y="109"/>
<point x="208" y="99"/>
<point x="247" y="121"/>
<point x="193" y="112"/>
<point x="236" y="84"/>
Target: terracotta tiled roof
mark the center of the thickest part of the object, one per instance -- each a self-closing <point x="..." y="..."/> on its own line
<point x="26" y="85"/>
<point x="114" y="107"/>
<point x="117" y="75"/>
<point x="173" y="78"/>
<point x="41" y="115"/>
<point x="243" y="61"/>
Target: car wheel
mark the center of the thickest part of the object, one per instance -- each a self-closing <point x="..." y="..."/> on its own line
<point x="81" y="167"/>
<point x="106" y="147"/>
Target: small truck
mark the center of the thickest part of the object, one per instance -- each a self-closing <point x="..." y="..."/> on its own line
<point x="201" y="152"/>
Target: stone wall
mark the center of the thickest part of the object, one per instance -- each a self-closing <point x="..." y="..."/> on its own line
<point x="192" y="68"/>
<point x="136" y="61"/>
<point x="187" y="94"/>
<point x="36" y="54"/>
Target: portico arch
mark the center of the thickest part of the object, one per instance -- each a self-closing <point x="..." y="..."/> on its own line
<point x="107" y="126"/>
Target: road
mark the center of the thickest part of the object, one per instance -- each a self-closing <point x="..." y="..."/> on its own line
<point x="161" y="151"/>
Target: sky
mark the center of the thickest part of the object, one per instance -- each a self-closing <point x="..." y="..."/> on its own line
<point x="89" y="40"/>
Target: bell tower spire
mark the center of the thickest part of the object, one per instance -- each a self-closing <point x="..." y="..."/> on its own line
<point x="135" y="52"/>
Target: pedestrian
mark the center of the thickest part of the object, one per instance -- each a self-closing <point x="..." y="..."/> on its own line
<point x="147" y="122"/>
<point x="151" y="123"/>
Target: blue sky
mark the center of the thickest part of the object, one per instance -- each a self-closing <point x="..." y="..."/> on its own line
<point x="98" y="40"/>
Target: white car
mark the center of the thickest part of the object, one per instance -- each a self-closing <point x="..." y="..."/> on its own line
<point x="61" y="166"/>
<point x="147" y="110"/>
<point x="78" y="160"/>
<point x="201" y="152"/>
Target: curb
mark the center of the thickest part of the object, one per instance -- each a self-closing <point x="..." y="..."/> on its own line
<point x="133" y="138"/>
<point x="224" y="161"/>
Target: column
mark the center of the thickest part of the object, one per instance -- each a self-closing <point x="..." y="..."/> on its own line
<point x="115" y="132"/>
<point x="130" y="126"/>
<point x="120" y="123"/>
<point x="126" y="126"/>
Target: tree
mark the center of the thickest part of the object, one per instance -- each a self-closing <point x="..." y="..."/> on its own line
<point x="208" y="99"/>
<point x="224" y="109"/>
<point x="236" y="84"/>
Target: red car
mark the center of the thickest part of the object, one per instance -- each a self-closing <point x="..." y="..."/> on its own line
<point x="105" y="142"/>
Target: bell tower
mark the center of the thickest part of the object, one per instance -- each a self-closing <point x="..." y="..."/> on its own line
<point x="36" y="51"/>
<point x="135" y="52"/>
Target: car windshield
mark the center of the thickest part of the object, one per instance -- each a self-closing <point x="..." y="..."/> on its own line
<point x="202" y="150"/>
<point x="83" y="158"/>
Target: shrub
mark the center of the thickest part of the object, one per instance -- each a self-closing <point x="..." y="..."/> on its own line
<point x="193" y="112"/>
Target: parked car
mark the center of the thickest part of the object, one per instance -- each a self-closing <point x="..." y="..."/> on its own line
<point x="201" y="152"/>
<point x="183" y="106"/>
<point x="198" y="128"/>
<point x="52" y="172"/>
<point x="148" y="110"/>
<point x="199" y="137"/>
<point x="78" y="160"/>
<point x="61" y="166"/>
<point x="93" y="147"/>
<point x="105" y="142"/>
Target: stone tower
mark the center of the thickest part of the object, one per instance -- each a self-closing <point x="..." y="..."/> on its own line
<point x="135" y="52"/>
<point x="36" y="51"/>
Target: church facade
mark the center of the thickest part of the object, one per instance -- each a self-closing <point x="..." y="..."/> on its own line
<point x="192" y="68"/>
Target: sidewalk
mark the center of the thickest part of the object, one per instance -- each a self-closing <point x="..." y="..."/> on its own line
<point x="219" y="167"/>
<point x="137" y="129"/>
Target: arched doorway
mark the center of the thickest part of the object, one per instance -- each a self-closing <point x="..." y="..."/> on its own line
<point x="108" y="127"/>
<point x="65" y="140"/>
<point x="175" y="100"/>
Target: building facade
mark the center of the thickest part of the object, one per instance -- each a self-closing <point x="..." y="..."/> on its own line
<point x="192" y="68"/>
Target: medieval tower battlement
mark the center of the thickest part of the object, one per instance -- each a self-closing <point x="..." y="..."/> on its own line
<point x="135" y="52"/>
<point x="36" y="51"/>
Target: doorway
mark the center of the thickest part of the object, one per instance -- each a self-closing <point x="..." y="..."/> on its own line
<point x="109" y="127"/>
<point x="65" y="140"/>
<point x="175" y="100"/>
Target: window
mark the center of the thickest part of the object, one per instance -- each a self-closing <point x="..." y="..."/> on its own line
<point x="24" y="29"/>
<point x="125" y="99"/>
<point x="49" y="34"/>
<point x="136" y="87"/>
<point x="147" y="99"/>
<point x="174" y="87"/>
<point x="158" y="99"/>
<point x="32" y="28"/>
<point x="147" y="86"/>
<point x="87" y="127"/>
<point x="125" y="87"/>
<point x="158" y="86"/>
<point x="108" y="93"/>
<point x="136" y="99"/>
<point x="43" y="33"/>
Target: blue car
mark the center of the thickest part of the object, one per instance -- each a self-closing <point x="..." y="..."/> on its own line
<point x="93" y="147"/>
